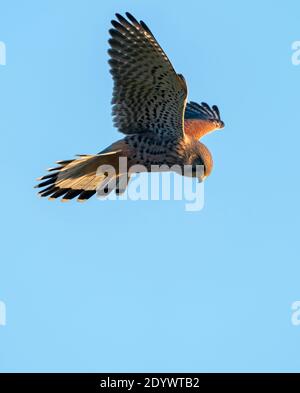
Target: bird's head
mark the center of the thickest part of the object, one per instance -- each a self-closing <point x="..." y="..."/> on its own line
<point x="200" y="162"/>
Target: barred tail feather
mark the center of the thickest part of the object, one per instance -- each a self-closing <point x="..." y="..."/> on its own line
<point x="77" y="178"/>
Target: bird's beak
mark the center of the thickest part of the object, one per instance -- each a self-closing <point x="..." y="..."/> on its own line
<point x="222" y="125"/>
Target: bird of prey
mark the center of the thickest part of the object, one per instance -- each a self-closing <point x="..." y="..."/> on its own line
<point x="150" y="108"/>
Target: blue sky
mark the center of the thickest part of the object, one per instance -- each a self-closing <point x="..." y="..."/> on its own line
<point x="147" y="286"/>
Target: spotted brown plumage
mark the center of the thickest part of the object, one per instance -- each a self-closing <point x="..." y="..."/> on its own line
<point x="148" y="95"/>
<point x="149" y="107"/>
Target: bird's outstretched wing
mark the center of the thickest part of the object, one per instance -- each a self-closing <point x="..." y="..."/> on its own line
<point x="200" y="119"/>
<point x="148" y="95"/>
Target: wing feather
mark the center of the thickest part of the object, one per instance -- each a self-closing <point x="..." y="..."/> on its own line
<point x="148" y="95"/>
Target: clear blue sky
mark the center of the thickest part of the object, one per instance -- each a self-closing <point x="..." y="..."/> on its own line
<point x="147" y="286"/>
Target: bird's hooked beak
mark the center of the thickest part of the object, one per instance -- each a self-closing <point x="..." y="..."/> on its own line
<point x="201" y="179"/>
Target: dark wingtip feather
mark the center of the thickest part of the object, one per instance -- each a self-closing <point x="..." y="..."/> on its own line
<point x="146" y="28"/>
<point x="85" y="195"/>
<point x="118" y="26"/>
<point x="48" y="192"/>
<point x="205" y="105"/>
<point x="116" y="34"/>
<point x="46" y="176"/>
<point x="119" y="17"/>
<point x="193" y="103"/>
<point x="131" y="18"/>
<point x="64" y="162"/>
<point x="204" y="111"/>
<point x="122" y="19"/>
<point x="71" y="194"/>
<point x="57" y="168"/>
<point x="58" y="193"/>
<point x="208" y="109"/>
<point x="217" y="112"/>
<point x="45" y="183"/>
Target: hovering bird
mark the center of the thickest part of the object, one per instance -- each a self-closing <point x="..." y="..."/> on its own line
<point x="150" y="108"/>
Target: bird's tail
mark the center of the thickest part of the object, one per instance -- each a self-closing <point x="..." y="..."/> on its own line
<point x="84" y="176"/>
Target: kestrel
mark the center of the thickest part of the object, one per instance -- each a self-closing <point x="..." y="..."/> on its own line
<point x="150" y="108"/>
